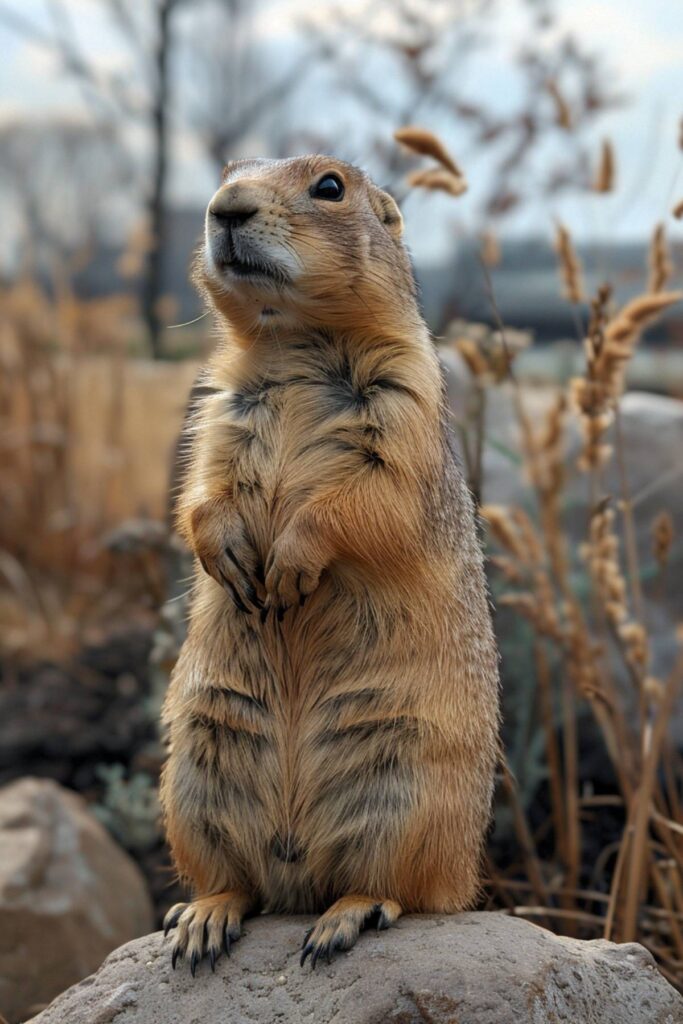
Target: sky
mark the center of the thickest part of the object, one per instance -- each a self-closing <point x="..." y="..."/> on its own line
<point x="642" y="45"/>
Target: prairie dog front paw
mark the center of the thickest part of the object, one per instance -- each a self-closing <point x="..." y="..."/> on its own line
<point x="293" y="568"/>
<point x="224" y="548"/>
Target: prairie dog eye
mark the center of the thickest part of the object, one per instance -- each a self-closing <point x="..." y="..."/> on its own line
<point x="330" y="187"/>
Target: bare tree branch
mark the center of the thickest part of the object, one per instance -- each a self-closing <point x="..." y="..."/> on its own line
<point x="110" y="86"/>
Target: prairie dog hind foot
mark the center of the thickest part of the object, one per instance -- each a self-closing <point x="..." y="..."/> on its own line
<point x="207" y="926"/>
<point x="341" y="924"/>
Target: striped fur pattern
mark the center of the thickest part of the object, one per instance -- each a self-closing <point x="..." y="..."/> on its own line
<point x="333" y="715"/>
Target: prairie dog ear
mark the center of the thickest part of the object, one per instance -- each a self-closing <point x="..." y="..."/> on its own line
<point x="388" y="212"/>
<point x="227" y="170"/>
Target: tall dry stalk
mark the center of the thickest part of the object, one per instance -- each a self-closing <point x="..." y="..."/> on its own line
<point x="659" y="259"/>
<point x="590" y="653"/>
<point x="447" y="176"/>
<point x="563" y="114"/>
<point x="606" y="170"/>
<point x="570" y="265"/>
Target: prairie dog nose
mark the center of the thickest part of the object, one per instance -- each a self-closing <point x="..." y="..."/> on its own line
<point x="233" y="206"/>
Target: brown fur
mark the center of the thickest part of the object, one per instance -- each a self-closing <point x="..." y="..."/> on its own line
<point x="343" y="749"/>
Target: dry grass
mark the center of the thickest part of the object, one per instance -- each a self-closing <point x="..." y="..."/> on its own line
<point x="490" y="249"/>
<point x="570" y="265"/>
<point x="425" y="143"/>
<point x="446" y="177"/>
<point x="87" y="441"/>
<point x="661" y="267"/>
<point x="590" y="651"/>
<point x="606" y="170"/>
<point x="563" y="114"/>
<point x="609" y="346"/>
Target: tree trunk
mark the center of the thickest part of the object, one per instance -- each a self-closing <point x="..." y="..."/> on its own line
<point x="156" y="203"/>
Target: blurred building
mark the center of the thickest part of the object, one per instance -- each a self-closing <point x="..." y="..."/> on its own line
<point x="525" y="283"/>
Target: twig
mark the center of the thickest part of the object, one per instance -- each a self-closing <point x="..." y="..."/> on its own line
<point x="616" y="882"/>
<point x="526" y="841"/>
<point x="665" y="900"/>
<point x="626" y="506"/>
<point x="642" y="803"/>
<point x="567" y="915"/>
<point x="551" y="746"/>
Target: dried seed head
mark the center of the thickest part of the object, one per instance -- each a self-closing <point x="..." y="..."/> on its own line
<point x="609" y="348"/>
<point x="425" y="143"/>
<point x="490" y="249"/>
<point x="503" y="528"/>
<point x="570" y="265"/>
<point x="637" y="648"/>
<point x="530" y="540"/>
<point x="661" y="267"/>
<point x="591" y="395"/>
<point x="662" y="531"/>
<point x="678" y="210"/>
<point x="601" y="554"/>
<point x="470" y="352"/>
<point x="530" y="606"/>
<point x="635" y="316"/>
<point x="563" y="117"/>
<point x="583" y="653"/>
<point x="488" y="353"/>
<point x="438" y="179"/>
<point x="604" y="178"/>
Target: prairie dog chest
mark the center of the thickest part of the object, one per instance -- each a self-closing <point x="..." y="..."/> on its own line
<point x="265" y="432"/>
<point x="286" y="426"/>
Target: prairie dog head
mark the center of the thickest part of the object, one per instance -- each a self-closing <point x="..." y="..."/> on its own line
<point x="304" y="242"/>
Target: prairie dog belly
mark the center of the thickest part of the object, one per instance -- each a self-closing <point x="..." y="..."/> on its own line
<point x="303" y="745"/>
<point x="351" y="745"/>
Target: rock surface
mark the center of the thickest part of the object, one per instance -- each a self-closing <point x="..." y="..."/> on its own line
<point x="68" y="895"/>
<point x="480" y="968"/>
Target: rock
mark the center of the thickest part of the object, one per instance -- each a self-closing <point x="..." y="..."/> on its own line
<point x="480" y="968"/>
<point x="68" y="894"/>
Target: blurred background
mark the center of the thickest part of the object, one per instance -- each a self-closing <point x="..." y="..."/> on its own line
<point x="564" y="123"/>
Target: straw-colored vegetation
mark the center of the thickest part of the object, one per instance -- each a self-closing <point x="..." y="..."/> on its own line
<point x="606" y="171"/>
<point x="590" y="651"/>
<point x="87" y="443"/>
<point x="446" y="177"/>
<point x="570" y="265"/>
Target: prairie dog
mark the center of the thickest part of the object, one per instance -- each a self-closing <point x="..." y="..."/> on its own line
<point x="333" y="717"/>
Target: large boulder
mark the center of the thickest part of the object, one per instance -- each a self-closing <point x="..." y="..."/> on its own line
<point x="68" y="895"/>
<point x="482" y="968"/>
